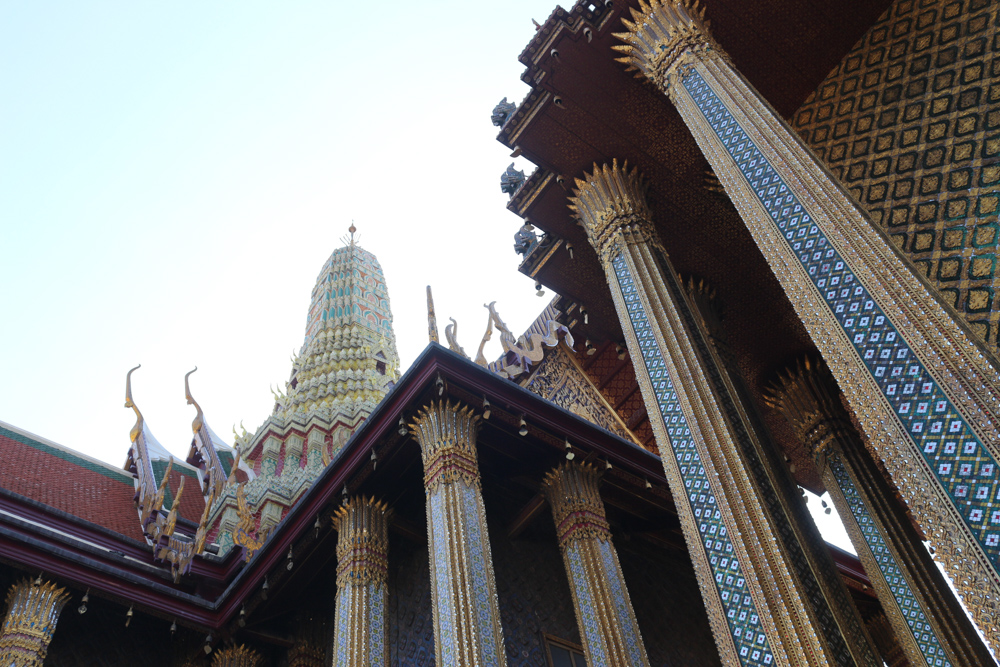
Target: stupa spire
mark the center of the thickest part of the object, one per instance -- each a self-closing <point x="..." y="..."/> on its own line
<point x="348" y="359"/>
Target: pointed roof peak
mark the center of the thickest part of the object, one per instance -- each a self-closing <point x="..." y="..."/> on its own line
<point x="350" y="242"/>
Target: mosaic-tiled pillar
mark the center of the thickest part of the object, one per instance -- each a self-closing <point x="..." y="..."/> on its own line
<point x="927" y="619"/>
<point x="463" y="589"/>
<point x="32" y="613"/>
<point x="759" y="613"/>
<point x="603" y="608"/>
<point x="835" y="614"/>
<point x="360" y="635"/>
<point x="237" y="656"/>
<point x="926" y="396"/>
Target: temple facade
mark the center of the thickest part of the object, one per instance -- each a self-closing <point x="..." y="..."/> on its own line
<point x="772" y="240"/>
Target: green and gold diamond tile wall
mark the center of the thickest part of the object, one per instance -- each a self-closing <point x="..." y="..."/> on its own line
<point x="910" y="122"/>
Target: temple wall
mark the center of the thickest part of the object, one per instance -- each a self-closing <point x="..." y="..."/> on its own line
<point x="535" y="600"/>
<point x="534" y="593"/>
<point x="667" y="605"/>
<point x="411" y="622"/>
<point x="910" y="122"/>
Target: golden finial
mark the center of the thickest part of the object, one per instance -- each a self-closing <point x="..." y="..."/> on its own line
<point x="129" y="403"/>
<point x="350" y="242"/>
<point x="480" y="357"/>
<point x="451" y="333"/>
<point x="432" y="323"/>
<point x="199" y="419"/>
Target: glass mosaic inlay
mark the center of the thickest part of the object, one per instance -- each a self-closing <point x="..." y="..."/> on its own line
<point x="623" y="607"/>
<point x="958" y="459"/>
<point x="479" y="607"/>
<point x="744" y="622"/>
<point x="922" y="631"/>
<point x="588" y="606"/>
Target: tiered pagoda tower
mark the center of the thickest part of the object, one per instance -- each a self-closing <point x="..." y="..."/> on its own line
<point x="347" y="363"/>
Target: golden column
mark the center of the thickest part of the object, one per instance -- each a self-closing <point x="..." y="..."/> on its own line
<point x="32" y="613"/>
<point x="603" y="608"/>
<point x="759" y="611"/>
<point x="927" y="619"/>
<point x="466" y="616"/>
<point x="927" y="398"/>
<point x="237" y="656"/>
<point x="360" y="635"/>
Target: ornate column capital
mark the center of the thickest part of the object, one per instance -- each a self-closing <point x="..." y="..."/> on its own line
<point x="32" y="613"/>
<point x="807" y="395"/>
<point x="601" y="601"/>
<point x="237" y="656"/>
<point x="662" y="38"/>
<point x="362" y="542"/>
<point x="360" y="629"/>
<point x="572" y="490"/>
<point x="610" y="203"/>
<point x="447" y="433"/>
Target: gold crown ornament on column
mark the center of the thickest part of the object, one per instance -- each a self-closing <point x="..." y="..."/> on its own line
<point x="237" y="656"/>
<point x="610" y="203"/>
<point x="33" y="609"/>
<point x="662" y="36"/>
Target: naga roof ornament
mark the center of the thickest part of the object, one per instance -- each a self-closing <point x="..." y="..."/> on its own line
<point x="205" y="447"/>
<point x="158" y="527"/>
<point x="519" y="353"/>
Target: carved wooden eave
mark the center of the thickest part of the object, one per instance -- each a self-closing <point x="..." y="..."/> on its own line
<point x="529" y="190"/>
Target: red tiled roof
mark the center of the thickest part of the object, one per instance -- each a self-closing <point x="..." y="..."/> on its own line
<point x="192" y="502"/>
<point x="81" y="486"/>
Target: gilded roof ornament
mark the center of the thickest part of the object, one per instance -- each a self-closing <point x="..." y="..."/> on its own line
<point x="244" y="534"/>
<point x="432" y="323"/>
<point x="451" y="333"/>
<point x="129" y="403"/>
<point x="660" y="35"/>
<point x="521" y="352"/>
<point x="199" y="419"/>
<point x="480" y="357"/>
<point x="175" y="508"/>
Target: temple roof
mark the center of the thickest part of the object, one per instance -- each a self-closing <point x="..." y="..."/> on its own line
<point x="82" y="486"/>
<point x="218" y="588"/>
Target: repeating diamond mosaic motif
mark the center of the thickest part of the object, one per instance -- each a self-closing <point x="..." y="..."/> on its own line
<point x="588" y="606"/>
<point x="910" y="121"/>
<point x="960" y="462"/>
<point x="914" y="615"/>
<point x="744" y="621"/>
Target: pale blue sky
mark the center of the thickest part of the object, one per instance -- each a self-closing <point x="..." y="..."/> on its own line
<point x="173" y="176"/>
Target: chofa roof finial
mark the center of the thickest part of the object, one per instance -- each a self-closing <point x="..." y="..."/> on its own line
<point x="129" y="403"/>
<point x="199" y="419"/>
